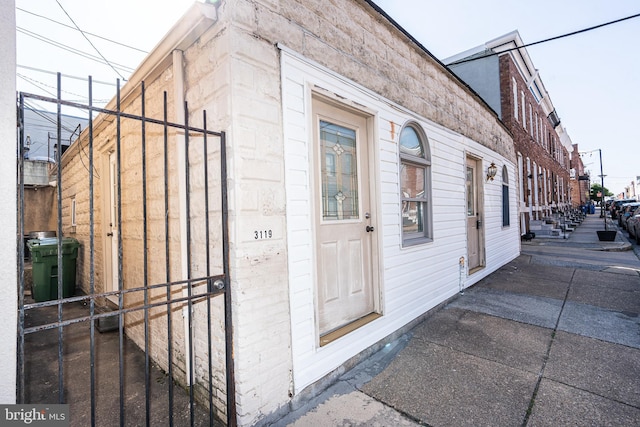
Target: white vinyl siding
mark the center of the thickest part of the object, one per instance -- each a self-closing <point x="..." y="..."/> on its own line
<point x="412" y="279"/>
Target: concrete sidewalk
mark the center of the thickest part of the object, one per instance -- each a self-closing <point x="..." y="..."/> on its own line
<point x="551" y="339"/>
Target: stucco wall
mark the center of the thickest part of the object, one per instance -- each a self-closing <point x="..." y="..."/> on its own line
<point x="8" y="261"/>
<point x="483" y="75"/>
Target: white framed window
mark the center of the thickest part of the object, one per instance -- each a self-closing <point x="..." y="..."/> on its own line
<point x="531" y="120"/>
<point x="73" y="212"/>
<point x="515" y="98"/>
<point x="415" y="185"/>
<point x="524" y="111"/>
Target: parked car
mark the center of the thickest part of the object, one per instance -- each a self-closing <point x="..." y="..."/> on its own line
<point x="625" y="212"/>
<point x="616" y="204"/>
<point x="633" y="227"/>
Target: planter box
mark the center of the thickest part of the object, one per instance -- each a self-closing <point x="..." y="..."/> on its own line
<point x="607" y="235"/>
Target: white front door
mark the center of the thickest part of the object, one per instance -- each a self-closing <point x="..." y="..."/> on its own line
<point x="111" y="230"/>
<point x="344" y="217"/>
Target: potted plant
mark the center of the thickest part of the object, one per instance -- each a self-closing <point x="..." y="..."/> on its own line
<point x="607" y="235"/>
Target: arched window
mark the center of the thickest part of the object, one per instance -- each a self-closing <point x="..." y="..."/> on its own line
<point x="505" y="197"/>
<point x="415" y="185"/>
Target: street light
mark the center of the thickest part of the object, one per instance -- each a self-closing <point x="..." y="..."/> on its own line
<point x="602" y="175"/>
<point x="602" y="197"/>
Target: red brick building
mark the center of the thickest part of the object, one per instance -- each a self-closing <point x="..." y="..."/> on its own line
<point x="502" y="73"/>
<point x="580" y="183"/>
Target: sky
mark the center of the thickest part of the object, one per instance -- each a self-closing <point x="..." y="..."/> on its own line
<point x="593" y="78"/>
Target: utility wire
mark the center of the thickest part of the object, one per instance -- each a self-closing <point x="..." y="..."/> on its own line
<point x="38" y="112"/>
<point x="92" y="45"/>
<point x="72" y="50"/>
<point x="573" y="33"/>
<point x="84" y="79"/>
<point x="42" y="85"/>
<point x="33" y="82"/>
<point x="37" y="82"/>
<point x="85" y="32"/>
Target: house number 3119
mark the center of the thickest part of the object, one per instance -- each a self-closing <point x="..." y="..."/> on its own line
<point x="262" y="234"/>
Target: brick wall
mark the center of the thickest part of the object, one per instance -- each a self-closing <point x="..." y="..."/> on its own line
<point x="579" y="189"/>
<point x="536" y="145"/>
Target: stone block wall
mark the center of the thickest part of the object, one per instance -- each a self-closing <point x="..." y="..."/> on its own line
<point x="234" y="71"/>
<point x="142" y="204"/>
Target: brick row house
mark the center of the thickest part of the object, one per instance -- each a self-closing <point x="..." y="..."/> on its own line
<point x="367" y="185"/>
<point x="503" y="74"/>
<point x="580" y="181"/>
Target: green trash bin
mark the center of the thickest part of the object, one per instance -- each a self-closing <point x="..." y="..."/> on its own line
<point x="44" y="259"/>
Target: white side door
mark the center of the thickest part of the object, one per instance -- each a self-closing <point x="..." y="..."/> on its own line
<point x="111" y="230"/>
<point x="474" y="220"/>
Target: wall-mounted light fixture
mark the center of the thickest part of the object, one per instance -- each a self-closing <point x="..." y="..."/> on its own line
<point x="492" y="170"/>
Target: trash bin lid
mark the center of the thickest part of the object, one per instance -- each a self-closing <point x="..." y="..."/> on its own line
<point x="41" y="234"/>
<point x="51" y="241"/>
<point x="47" y="241"/>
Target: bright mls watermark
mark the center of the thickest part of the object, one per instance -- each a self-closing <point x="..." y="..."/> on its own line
<point x="34" y="415"/>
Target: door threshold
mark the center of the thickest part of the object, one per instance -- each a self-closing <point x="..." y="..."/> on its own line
<point x="475" y="270"/>
<point x="348" y="328"/>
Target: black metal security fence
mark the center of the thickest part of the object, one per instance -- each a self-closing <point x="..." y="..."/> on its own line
<point x="126" y="315"/>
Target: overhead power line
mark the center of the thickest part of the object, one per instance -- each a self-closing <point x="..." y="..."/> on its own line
<point x="84" y="79"/>
<point x="42" y="115"/>
<point x="573" y="33"/>
<point x="42" y="86"/>
<point x="36" y="84"/>
<point x="72" y="50"/>
<point x="92" y="45"/>
<point x="85" y="32"/>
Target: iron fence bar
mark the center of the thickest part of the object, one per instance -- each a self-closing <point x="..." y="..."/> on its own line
<point x="47" y="326"/>
<point x="208" y="255"/>
<point x="92" y="355"/>
<point x="229" y="359"/>
<point x="120" y="278"/>
<point x="198" y="281"/>
<point x="167" y="258"/>
<point x="188" y="237"/>
<point x="145" y="260"/>
<point x="60" y="268"/>
<point x="116" y="112"/>
<point x="191" y="297"/>
<point x="20" y="392"/>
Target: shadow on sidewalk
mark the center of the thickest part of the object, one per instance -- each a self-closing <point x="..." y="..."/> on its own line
<point x="42" y="381"/>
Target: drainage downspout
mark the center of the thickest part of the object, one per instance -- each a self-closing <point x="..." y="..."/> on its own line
<point x="179" y="97"/>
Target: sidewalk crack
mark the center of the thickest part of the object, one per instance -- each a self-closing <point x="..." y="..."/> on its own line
<point x="532" y="402"/>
